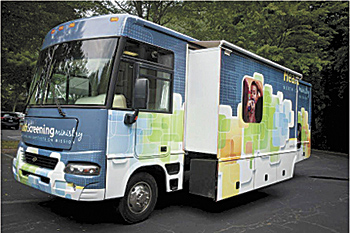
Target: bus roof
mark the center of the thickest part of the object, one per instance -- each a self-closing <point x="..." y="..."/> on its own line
<point x="101" y="27"/>
<point x="113" y="25"/>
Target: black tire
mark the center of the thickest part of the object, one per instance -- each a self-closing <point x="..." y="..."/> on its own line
<point x="142" y="187"/>
<point x="17" y="127"/>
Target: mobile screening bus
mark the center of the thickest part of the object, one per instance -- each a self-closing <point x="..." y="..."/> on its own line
<point x="120" y="107"/>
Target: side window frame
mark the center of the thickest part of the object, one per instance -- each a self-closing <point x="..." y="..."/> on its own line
<point x="139" y="64"/>
<point x="132" y="83"/>
<point x="171" y="83"/>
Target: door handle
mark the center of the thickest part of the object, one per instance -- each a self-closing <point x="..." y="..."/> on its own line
<point x="163" y="149"/>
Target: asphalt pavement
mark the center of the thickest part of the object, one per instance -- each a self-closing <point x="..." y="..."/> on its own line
<point x="315" y="200"/>
<point x="10" y="134"/>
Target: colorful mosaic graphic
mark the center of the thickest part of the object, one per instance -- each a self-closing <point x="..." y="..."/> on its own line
<point x="270" y="135"/>
<point x="157" y="134"/>
<point x="230" y="172"/>
<point x="155" y="139"/>
<point x="303" y="118"/>
<point x="47" y="180"/>
<point x="239" y="140"/>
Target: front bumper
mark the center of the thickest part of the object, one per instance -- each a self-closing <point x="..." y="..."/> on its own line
<point x="52" y="181"/>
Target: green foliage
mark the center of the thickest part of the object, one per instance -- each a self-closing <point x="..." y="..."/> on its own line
<point x="9" y="144"/>
<point x="155" y="11"/>
<point x="309" y="37"/>
<point x="24" y="26"/>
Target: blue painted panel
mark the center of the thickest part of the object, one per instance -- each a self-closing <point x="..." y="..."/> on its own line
<point x="57" y="133"/>
<point x="89" y="144"/>
<point x="94" y="27"/>
<point x="90" y="133"/>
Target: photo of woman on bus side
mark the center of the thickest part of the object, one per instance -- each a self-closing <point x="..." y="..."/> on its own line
<point x="252" y="101"/>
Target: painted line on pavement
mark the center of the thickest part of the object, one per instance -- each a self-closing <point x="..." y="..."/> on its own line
<point x="21" y="201"/>
<point x="14" y="137"/>
<point x="7" y="155"/>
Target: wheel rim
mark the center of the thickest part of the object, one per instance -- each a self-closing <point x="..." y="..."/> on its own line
<point x="139" y="197"/>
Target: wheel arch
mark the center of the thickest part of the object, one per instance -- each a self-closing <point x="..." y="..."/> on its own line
<point x="158" y="173"/>
<point x="119" y="173"/>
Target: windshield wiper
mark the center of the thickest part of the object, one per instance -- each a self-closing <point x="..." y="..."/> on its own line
<point x="48" y="81"/>
<point x="57" y="103"/>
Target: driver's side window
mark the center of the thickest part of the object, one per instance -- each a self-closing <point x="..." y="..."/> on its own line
<point x="123" y="88"/>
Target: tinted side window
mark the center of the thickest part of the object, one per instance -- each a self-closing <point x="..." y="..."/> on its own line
<point x="299" y="136"/>
<point x="124" y="86"/>
<point x="159" y="89"/>
<point x="149" y="53"/>
<point x="142" y="60"/>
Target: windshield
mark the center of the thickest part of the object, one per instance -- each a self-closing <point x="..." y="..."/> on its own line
<point x="74" y="73"/>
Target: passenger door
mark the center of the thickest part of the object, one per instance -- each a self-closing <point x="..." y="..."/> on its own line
<point x="153" y="127"/>
<point x="120" y="136"/>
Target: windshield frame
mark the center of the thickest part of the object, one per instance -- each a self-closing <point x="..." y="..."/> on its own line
<point x="113" y="61"/>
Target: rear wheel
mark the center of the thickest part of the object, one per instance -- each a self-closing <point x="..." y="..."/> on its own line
<point x="140" y="198"/>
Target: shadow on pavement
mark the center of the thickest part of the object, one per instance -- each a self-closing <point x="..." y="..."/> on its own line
<point x="105" y="211"/>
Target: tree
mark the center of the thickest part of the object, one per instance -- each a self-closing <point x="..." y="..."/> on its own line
<point x="335" y="121"/>
<point x="309" y="37"/>
<point x="23" y="27"/>
<point x="155" y="11"/>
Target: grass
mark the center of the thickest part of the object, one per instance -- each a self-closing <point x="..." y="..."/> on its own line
<point x="9" y="144"/>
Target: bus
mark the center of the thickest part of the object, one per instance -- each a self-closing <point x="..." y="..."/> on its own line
<point x="122" y="108"/>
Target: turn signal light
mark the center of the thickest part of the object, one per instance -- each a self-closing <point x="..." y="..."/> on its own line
<point x="114" y="19"/>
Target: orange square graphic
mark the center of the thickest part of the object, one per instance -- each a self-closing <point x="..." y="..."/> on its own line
<point x="249" y="148"/>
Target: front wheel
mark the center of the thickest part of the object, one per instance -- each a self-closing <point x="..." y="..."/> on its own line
<point x="140" y="198"/>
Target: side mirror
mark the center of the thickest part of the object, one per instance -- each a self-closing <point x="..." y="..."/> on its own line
<point x="140" y="100"/>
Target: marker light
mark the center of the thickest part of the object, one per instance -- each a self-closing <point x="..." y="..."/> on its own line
<point x="82" y="169"/>
<point x="53" y="31"/>
<point x="114" y="19"/>
<point x="130" y="53"/>
<point x="71" y="25"/>
<point x="60" y="28"/>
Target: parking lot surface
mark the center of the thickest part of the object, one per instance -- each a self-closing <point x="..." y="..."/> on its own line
<point x="315" y="200"/>
<point x="10" y="134"/>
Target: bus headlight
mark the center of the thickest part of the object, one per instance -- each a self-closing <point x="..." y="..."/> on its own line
<point x="82" y="169"/>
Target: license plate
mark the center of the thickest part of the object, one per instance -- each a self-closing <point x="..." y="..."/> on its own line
<point x="10" y="120"/>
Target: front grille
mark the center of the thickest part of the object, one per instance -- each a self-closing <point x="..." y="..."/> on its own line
<point x="40" y="160"/>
